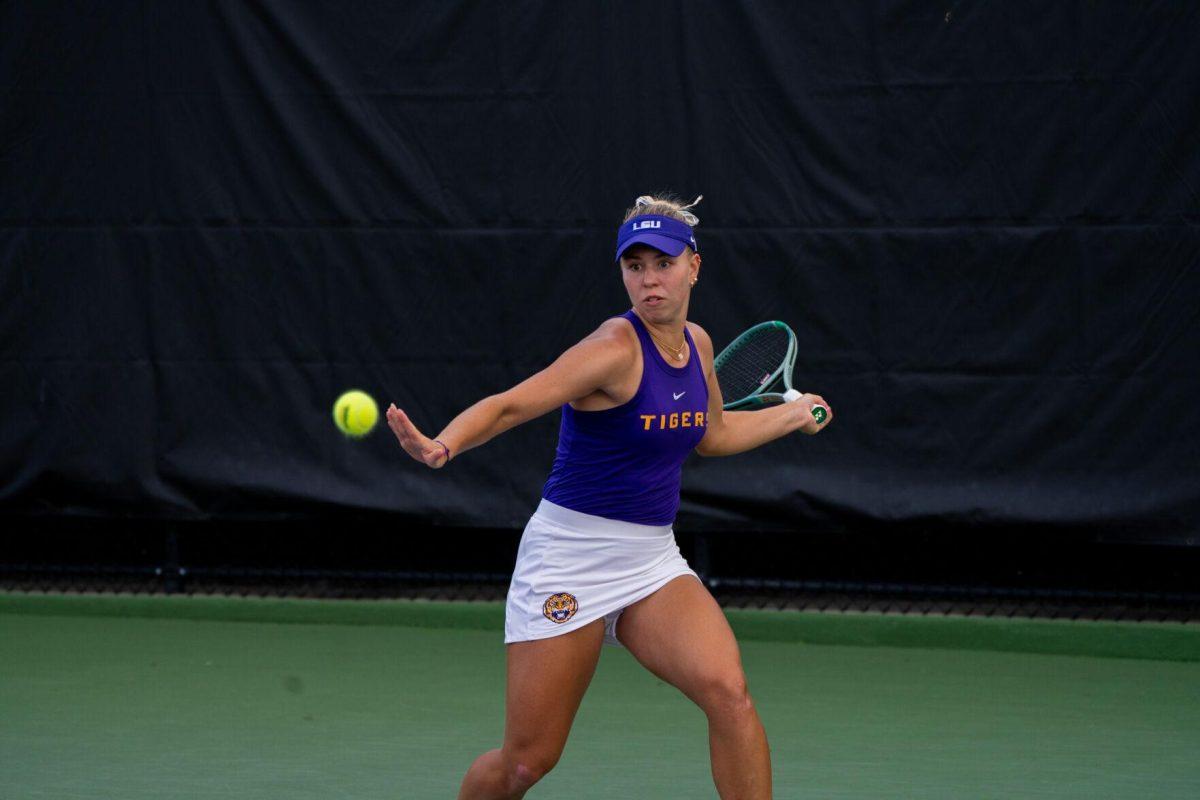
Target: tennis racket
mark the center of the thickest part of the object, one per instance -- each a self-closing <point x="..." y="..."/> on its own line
<point x="757" y="362"/>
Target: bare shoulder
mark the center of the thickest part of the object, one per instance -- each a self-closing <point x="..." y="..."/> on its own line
<point x="703" y="344"/>
<point x="703" y="340"/>
<point x="616" y="333"/>
<point x="700" y="335"/>
<point x="613" y="340"/>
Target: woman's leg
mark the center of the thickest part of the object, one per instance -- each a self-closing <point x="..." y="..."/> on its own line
<point x="681" y="635"/>
<point x="546" y="682"/>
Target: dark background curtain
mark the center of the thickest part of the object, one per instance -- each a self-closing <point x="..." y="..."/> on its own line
<point x="981" y="219"/>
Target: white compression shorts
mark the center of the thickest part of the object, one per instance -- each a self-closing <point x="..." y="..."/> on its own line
<point x="574" y="568"/>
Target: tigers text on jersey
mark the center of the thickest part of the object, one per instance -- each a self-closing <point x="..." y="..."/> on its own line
<point x="624" y="463"/>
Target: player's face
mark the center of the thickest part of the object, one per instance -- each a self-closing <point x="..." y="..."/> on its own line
<point x="658" y="284"/>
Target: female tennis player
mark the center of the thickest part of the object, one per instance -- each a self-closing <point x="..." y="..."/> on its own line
<point x="598" y="560"/>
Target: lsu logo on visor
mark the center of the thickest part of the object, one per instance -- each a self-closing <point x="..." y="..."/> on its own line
<point x="560" y="607"/>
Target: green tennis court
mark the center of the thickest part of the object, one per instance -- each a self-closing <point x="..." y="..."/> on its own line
<point x="149" y="697"/>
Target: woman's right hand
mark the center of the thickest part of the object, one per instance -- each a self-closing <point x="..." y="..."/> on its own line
<point x="429" y="452"/>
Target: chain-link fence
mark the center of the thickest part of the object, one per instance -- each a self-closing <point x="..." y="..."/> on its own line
<point x="1074" y="580"/>
<point x="742" y="593"/>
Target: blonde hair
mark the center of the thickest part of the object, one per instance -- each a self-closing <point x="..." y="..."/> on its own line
<point x="665" y="205"/>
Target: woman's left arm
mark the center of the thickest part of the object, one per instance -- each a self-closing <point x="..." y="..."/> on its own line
<point x="730" y="432"/>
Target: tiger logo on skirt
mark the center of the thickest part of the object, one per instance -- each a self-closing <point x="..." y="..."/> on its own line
<point x="560" y="607"/>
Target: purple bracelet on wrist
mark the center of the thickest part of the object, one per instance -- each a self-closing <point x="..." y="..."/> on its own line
<point x="447" y="449"/>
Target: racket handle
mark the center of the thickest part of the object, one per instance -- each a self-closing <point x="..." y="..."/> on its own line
<point x="820" y="413"/>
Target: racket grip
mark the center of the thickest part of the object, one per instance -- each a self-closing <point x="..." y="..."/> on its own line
<point x="820" y="413"/>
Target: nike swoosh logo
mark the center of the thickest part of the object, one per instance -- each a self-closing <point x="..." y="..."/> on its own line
<point x="677" y="396"/>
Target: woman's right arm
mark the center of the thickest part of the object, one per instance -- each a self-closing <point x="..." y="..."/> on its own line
<point x="599" y="362"/>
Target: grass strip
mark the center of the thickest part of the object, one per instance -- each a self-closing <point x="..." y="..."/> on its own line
<point x="1139" y="640"/>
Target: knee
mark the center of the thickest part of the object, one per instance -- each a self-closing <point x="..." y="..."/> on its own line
<point x="726" y="695"/>
<point x="526" y="769"/>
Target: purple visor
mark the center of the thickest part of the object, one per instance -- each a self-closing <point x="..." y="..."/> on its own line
<point x="662" y="233"/>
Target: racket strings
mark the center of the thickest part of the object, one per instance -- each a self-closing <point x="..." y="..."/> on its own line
<point x="749" y="366"/>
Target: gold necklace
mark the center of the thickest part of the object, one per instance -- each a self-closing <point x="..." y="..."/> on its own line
<point x="675" y="351"/>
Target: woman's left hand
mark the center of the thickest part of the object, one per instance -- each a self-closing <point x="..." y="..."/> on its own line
<point x="805" y="405"/>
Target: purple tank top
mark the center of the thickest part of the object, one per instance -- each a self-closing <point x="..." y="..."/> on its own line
<point x="624" y="463"/>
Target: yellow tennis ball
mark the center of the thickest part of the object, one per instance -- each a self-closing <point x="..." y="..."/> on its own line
<point x="355" y="413"/>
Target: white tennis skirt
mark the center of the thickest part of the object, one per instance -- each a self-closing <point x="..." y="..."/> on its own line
<point x="574" y="568"/>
